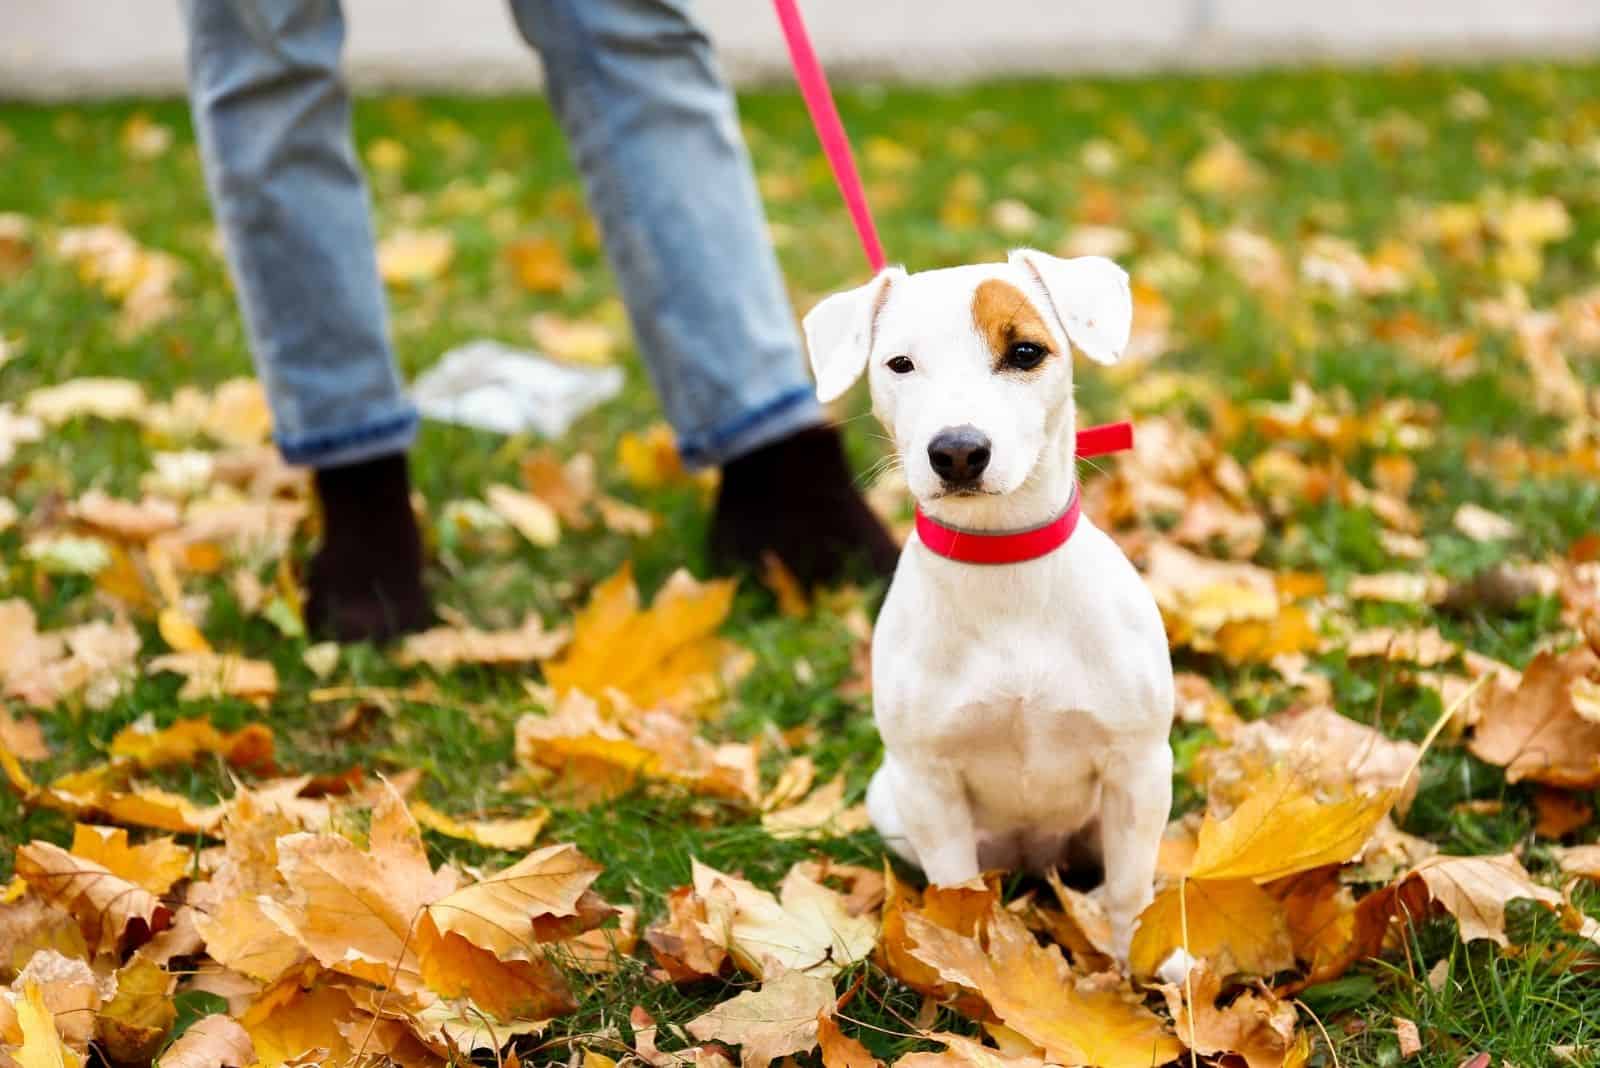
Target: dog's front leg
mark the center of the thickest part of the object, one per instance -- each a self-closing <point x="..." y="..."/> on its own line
<point x="937" y="819"/>
<point x="1136" y="798"/>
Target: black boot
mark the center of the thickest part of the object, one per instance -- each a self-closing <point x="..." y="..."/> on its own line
<point x="797" y="498"/>
<point x="366" y="579"/>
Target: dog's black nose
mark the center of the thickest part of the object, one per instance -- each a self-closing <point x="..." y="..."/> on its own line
<point x="959" y="454"/>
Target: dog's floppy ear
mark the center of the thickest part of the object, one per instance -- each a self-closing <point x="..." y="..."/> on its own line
<point x="1090" y="298"/>
<point x="839" y="333"/>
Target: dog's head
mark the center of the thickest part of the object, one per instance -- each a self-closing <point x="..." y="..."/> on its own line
<point x="970" y="367"/>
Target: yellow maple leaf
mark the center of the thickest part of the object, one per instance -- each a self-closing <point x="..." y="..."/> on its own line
<point x="1033" y="991"/>
<point x="155" y="865"/>
<point x="1281" y="828"/>
<point x="665" y="656"/>
<point x="1233" y="925"/>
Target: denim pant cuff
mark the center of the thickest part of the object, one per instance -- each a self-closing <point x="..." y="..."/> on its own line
<point x="376" y="437"/>
<point x="788" y="413"/>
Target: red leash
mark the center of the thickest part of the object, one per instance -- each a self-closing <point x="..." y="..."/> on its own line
<point x="1092" y="441"/>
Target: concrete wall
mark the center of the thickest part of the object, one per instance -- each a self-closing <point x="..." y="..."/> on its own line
<point x="78" y="48"/>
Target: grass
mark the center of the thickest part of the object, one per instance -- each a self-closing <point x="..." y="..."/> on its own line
<point x="1343" y="155"/>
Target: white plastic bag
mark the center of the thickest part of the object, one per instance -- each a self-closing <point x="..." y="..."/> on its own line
<point x="491" y="386"/>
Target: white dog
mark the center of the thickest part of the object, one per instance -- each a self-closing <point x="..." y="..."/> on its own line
<point x="1024" y="706"/>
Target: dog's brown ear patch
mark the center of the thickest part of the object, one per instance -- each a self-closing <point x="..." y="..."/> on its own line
<point x="1005" y="316"/>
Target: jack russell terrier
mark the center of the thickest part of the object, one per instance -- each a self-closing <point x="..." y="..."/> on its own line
<point x="1021" y="679"/>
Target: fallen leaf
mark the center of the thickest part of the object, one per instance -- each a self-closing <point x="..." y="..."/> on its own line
<point x="960" y="909"/>
<point x="839" y="1050"/>
<point x="778" y="1019"/>
<point x="1475" y="890"/>
<point x="213" y="676"/>
<point x="620" y="517"/>
<point x="679" y="942"/>
<point x="23" y="738"/>
<point x="1581" y="860"/>
<point x="1034" y="992"/>
<point x="791" y="594"/>
<point x="215" y="1041"/>
<point x="1281" y="828"/>
<point x="527" y="986"/>
<point x="444" y="647"/>
<point x="667" y="655"/>
<point x="412" y="257"/>
<point x="805" y="928"/>
<point x="1233" y="925"/>
<point x="539" y="265"/>
<point x="1535" y="732"/>
<point x="111" y="912"/>
<point x="1480" y="524"/>
<point x="1422" y="647"/>
<point x="1255" y="1026"/>
<point x="649" y="459"/>
<point x="148" y="746"/>
<point x="566" y="486"/>
<point x="1559" y="813"/>
<point x="497" y="913"/>
<point x="291" y="1020"/>
<point x="573" y="340"/>
<point x="133" y="521"/>
<point x="41" y="1043"/>
<point x="133" y="1025"/>
<point x="508" y="834"/>
<point x="180" y="632"/>
<point x="594" y="759"/>
<point x="1409" y="1038"/>
<point x="821" y="815"/>
<point x="354" y="909"/>
<point x="531" y="517"/>
<point x="155" y="865"/>
<point x="100" y="398"/>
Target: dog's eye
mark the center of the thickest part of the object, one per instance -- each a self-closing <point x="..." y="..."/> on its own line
<point x="902" y="365"/>
<point x="1025" y="356"/>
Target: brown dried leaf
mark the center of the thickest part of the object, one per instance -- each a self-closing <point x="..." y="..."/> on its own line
<point x="214" y="676"/>
<point x="112" y="912"/>
<point x="442" y="648"/>
<point x="805" y="928"/>
<point x="215" y="1041"/>
<point x="1536" y="732"/>
<point x="1255" y="1026"/>
<point x="766" y="1024"/>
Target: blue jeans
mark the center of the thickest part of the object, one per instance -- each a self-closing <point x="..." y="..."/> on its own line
<point x="654" y="132"/>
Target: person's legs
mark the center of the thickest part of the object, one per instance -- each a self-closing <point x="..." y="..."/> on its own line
<point x="273" y="120"/>
<point x="655" y="134"/>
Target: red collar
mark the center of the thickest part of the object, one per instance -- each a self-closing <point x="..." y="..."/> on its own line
<point x="1017" y="546"/>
